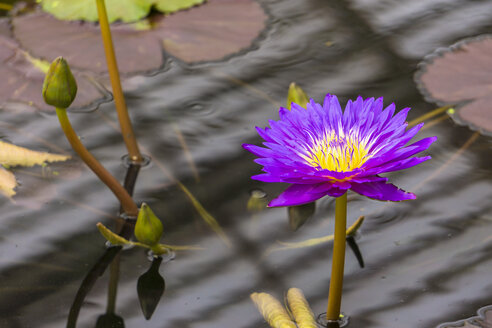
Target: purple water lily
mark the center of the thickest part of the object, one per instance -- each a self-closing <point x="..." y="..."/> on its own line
<point x="322" y="151"/>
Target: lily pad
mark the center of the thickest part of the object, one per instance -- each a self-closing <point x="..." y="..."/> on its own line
<point x="209" y="32"/>
<point x="461" y="75"/>
<point x="124" y="10"/>
<point x="171" y="6"/>
<point x="484" y="317"/>
<point x="483" y="320"/>
<point x="46" y="37"/>
<point x="212" y="31"/>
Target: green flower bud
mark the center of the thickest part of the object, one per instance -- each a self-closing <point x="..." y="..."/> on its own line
<point x="59" y="87"/>
<point x="148" y="228"/>
<point x="296" y="95"/>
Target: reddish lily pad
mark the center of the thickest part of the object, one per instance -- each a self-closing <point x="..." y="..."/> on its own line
<point x="23" y="75"/>
<point x="46" y="37"/>
<point x="209" y="32"/>
<point x="212" y="31"/>
<point x="461" y="75"/>
<point x="483" y="320"/>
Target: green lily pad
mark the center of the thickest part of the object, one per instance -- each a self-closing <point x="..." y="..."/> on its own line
<point x="124" y="10"/>
<point x="171" y="6"/>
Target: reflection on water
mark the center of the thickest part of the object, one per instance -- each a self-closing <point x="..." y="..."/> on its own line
<point x="150" y="287"/>
<point x="340" y="323"/>
<point x="426" y="262"/>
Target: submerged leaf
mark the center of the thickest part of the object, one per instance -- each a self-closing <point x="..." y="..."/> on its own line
<point x="273" y="312"/>
<point x="461" y="75"/>
<point x="298" y="215"/>
<point x="303" y="315"/>
<point x="12" y="155"/>
<point x="7" y="183"/>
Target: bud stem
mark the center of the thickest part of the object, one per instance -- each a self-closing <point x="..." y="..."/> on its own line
<point x="125" y="199"/>
<point x="114" y="76"/>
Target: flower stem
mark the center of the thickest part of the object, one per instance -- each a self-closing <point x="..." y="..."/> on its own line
<point x="125" y="199"/>
<point x="338" y="261"/>
<point x="114" y="76"/>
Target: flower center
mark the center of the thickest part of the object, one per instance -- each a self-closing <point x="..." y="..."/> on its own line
<point x="340" y="153"/>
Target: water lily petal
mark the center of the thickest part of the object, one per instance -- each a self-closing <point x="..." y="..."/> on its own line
<point x="296" y="194"/>
<point x="382" y="191"/>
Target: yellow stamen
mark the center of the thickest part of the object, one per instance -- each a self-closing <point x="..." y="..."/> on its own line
<point x="340" y="153"/>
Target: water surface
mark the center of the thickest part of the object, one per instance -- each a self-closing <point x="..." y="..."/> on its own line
<point x="427" y="261"/>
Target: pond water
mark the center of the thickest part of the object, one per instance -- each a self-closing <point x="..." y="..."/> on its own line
<point x="427" y="261"/>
